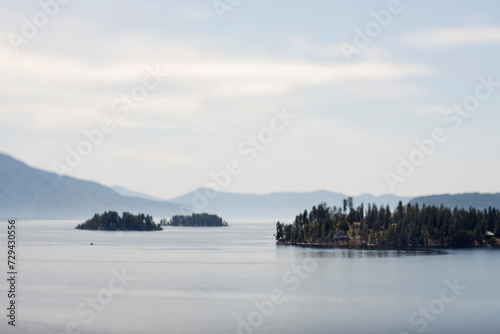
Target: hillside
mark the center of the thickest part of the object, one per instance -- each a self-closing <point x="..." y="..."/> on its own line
<point x="27" y="192"/>
<point x="274" y="205"/>
<point x="129" y="193"/>
<point x="476" y="200"/>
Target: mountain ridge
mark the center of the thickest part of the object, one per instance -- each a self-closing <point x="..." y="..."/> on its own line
<point x="279" y="204"/>
<point x="477" y="200"/>
<point x="130" y="193"/>
<point x="27" y="192"/>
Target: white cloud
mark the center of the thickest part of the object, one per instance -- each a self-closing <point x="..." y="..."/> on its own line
<point x="334" y="133"/>
<point x="170" y="105"/>
<point x="194" y="13"/>
<point x="300" y="46"/>
<point x="66" y="80"/>
<point x="381" y="90"/>
<point x="294" y="72"/>
<point x="69" y="90"/>
<point x="458" y="36"/>
<point x="429" y="109"/>
<point x="155" y="156"/>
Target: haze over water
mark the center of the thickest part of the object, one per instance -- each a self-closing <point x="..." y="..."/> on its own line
<point x="208" y="280"/>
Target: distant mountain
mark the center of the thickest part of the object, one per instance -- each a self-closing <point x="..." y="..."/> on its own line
<point x="476" y="200"/>
<point x="27" y="192"/>
<point x="274" y="205"/>
<point x="129" y="193"/>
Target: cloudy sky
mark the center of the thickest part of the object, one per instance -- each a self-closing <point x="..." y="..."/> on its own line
<point x="359" y="93"/>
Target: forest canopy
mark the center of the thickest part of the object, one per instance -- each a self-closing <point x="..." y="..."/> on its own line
<point x="111" y="221"/>
<point x="197" y="220"/>
<point x="406" y="226"/>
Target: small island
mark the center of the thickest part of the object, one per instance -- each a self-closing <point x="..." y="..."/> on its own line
<point x="196" y="220"/>
<point x="406" y="226"/>
<point x="111" y="221"/>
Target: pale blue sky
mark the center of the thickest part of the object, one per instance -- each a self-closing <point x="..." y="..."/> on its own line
<point x="353" y="118"/>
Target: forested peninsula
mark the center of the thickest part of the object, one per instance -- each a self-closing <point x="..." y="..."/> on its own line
<point x="406" y="226"/>
<point x="111" y="221"/>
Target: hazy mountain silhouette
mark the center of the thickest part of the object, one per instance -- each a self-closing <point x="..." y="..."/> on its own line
<point x="129" y="193"/>
<point x="476" y="200"/>
<point x="282" y="205"/>
<point x="27" y="192"/>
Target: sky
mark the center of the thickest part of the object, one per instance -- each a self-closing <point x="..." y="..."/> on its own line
<point x="164" y="97"/>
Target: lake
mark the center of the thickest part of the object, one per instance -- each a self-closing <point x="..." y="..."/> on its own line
<point x="237" y="280"/>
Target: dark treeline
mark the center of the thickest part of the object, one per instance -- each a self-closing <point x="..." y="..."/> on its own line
<point x="197" y="220"/>
<point x="410" y="225"/>
<point x="111" y="221"/>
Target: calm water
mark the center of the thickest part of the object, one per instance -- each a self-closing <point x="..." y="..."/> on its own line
<point x="220" y="280"/>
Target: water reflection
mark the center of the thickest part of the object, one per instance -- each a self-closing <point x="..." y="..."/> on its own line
<point x="353" y="253"/>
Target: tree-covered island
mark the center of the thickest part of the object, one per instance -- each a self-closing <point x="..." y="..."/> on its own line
<point x="111" y="221"/>
<point x="406" y="226"/>
<point x="196" y="220"/>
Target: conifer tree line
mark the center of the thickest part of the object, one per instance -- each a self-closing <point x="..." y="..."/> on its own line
<point x="196" y="220"/>
<point x="111" y="221"/>
<point x="407" y="225"/>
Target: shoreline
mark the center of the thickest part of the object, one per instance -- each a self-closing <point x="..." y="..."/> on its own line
<point x="376" y="247"/>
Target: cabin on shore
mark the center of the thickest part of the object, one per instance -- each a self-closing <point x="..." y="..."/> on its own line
<point x="489" y="238"/>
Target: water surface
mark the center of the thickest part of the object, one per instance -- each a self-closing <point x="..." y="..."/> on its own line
<point x="213" y="280"/>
